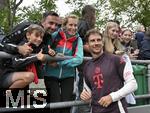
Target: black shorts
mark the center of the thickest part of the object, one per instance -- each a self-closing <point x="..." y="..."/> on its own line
<point x="6" y="80"/>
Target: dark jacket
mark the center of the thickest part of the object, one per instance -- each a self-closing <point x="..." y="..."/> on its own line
<point x="139" y="36"/>
<point x="144" y="53"/>
<point x="83" y="27"/>
<point x="9" y="42"/>
<point x="18" y="62"/>
<point x="9" y="45"/>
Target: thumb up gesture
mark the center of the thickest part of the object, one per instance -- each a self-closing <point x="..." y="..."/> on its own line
<point x="41" y="56"/>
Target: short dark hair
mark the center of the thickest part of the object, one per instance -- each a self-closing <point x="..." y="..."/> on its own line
<point x="51" y="13"/>
<point x="92" y="31"/>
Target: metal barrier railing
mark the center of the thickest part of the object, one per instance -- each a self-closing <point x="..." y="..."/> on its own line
<point x="57" y="58"/>
<point x="77" y="103"/>
<point x="72" y="103"/>
<point x="59" y="105"/>
<point x="48" y="58"/>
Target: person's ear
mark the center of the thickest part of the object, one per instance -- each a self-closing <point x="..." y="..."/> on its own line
<point x="28" y="35"/>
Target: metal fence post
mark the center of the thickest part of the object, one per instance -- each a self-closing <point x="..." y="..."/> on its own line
<point x="148" y="78"/>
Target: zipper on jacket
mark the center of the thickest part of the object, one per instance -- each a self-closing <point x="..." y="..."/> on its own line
<point x="60" y="74"/>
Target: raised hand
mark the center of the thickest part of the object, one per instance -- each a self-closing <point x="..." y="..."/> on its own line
<point x="51" y="52"/>
<point x="41" y="56"/>
<point x="25" y="49"/>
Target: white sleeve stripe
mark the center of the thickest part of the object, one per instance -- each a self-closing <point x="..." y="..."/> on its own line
<point x="23" y="59"/>
<point x="1" y="45"/>
<point x="12" y="45"/>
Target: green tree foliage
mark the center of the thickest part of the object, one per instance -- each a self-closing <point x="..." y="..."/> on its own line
<point x="103" y="13"/>
<point x="3" y="19"/>
<point x="77" y="5"/>
<point x="8" y="14"/>
<point x="34" y="13"/>
<point x="11" y="14"/>
<point x="100" y="6"/>
<point x="47" y="5"/>
<point x="137" y="10"/>
<point x="30" y="13"/>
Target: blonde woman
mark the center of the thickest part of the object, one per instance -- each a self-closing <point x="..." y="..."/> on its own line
<point x="113" y="45"/>
<point x="111" y="40"/>
<point x="59" y="78"/>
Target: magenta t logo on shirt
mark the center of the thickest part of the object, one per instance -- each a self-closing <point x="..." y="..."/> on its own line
<point x="98" y="78"/>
